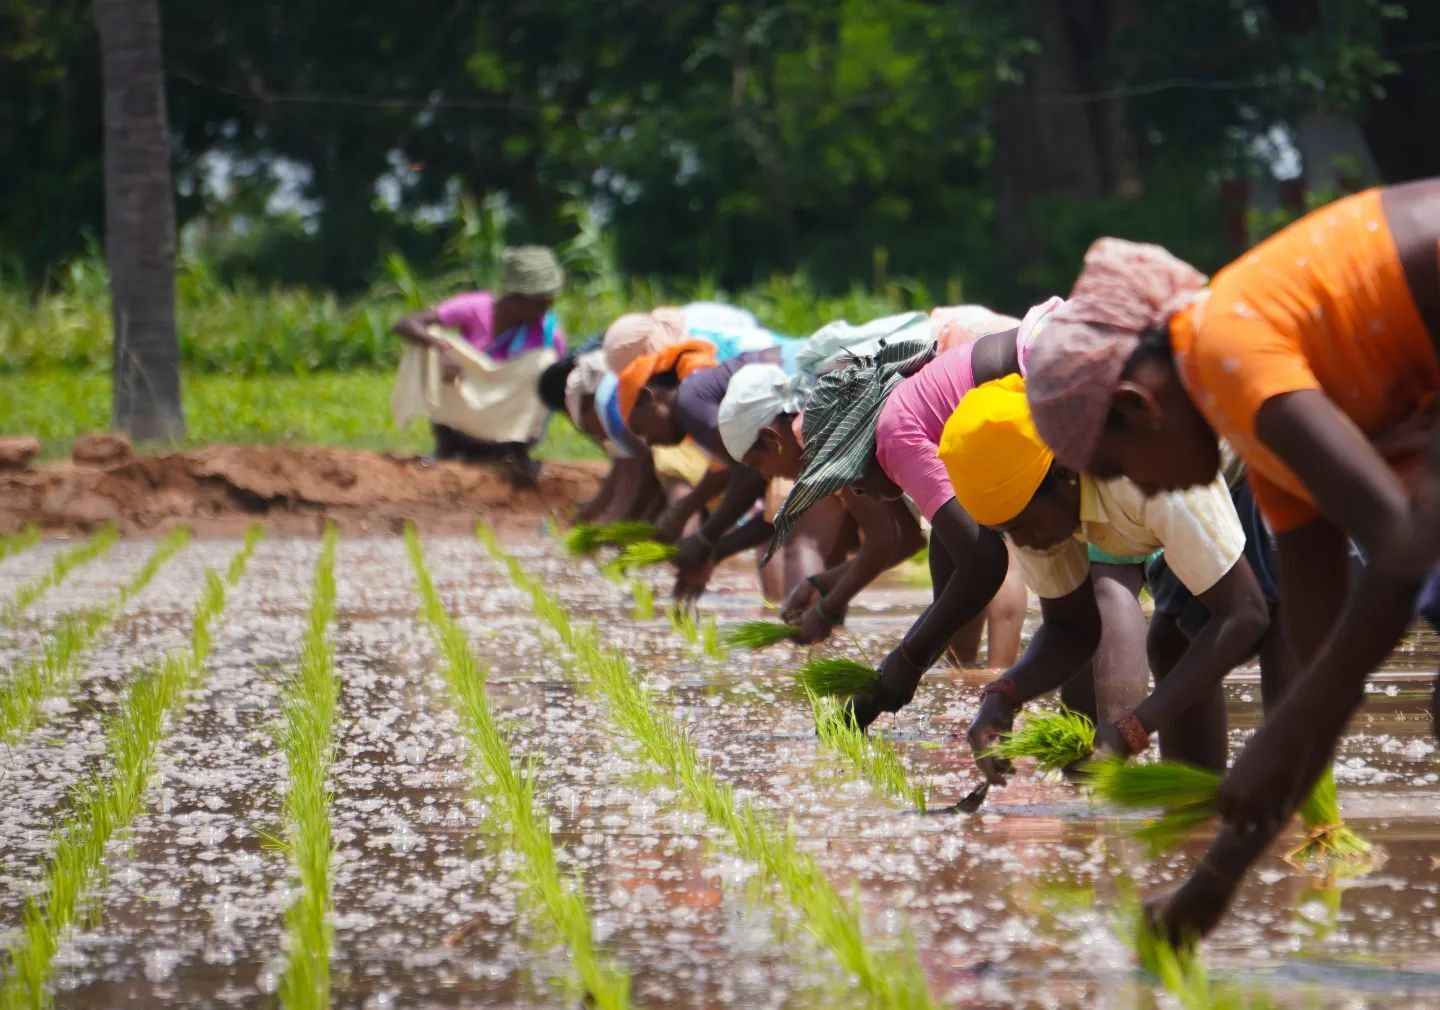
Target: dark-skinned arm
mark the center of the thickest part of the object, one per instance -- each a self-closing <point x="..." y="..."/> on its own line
<point x="980" y="565"/>
<point x="1238" y="620"/>
<point x="415" y="327"/>
<point x="1356" y="491"/>
<point x="741" y="491"/>
<point x="672" y="521"/>
<point x="1066" y="640"/>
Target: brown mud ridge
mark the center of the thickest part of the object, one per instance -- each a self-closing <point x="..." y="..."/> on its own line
<point x="220" y="489"/>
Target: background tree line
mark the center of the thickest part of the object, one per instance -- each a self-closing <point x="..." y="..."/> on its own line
<point x="977" y="145"/>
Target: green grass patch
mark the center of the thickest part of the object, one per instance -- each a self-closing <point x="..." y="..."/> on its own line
<point x="14" y="543"/>
<point x="871" y="756"/>
<point x="605" y="984"/>
<point x="65" y="562"/>
<point x="835" y="677"/>
<point x="104" y="805"/>
<point x="888" y="979"/>
<point x="759" y="634"/>
<point x="1055" y="740"/>
<point x="53" y="670"/>
<point x="349" y="409"/>
<point x="308" y="739"/>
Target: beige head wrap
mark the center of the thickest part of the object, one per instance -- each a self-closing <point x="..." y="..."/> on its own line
<point x="639" y="333"/>
<point x="582" y="381"/>
<point x="1074" y="363"/>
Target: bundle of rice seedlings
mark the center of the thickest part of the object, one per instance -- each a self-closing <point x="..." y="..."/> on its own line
<point x="1055" y="740"/>
<point x="759" y="634"/>
<point x="625" y="532"/>
<point x="682" y="619"/>
<point x="833" y="677"/>
<point x="1187" y="795"/>
<point x="1328" y="839"/>
<point x="641" y="555"/>
<point x="583" y="538"/>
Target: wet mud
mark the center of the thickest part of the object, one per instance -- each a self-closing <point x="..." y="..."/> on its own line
<point x="1014" y="906"/>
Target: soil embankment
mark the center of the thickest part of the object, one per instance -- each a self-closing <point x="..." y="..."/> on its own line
<point x="222" y="488"/>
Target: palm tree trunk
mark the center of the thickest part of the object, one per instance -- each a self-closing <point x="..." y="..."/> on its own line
<point x="139" y="222"/>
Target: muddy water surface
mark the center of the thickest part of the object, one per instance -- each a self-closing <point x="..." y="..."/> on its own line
<point x="1015" y="906"/>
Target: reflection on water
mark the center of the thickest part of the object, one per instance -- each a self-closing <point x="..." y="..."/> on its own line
<point x="1010" y="907"/>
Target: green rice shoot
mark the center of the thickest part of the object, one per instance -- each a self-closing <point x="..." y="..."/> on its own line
<point x="582" y="539"/>
<point x="1329" y="842"/>
<point x="1186" y="795"/>
<point x="641" y="555"/>
<point x="682" y="619"/>
<point x="759" y="634"/>
<point x="643" y="599"/>
<point x="872" y="756"/>
<point x="511" y="787"/>
<point x="586" y="538"/>
<point x="836" y="677"/>
<point x="14" y="543"/>
<point x="888" y="979"/>
<point x="65" y="562"/>
<point x="710" y="643"/>
<point x="1056" y="740"/>
<point x="101" y="806"/>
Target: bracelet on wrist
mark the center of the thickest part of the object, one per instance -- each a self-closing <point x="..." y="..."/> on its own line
<point x="1134" y="733"/>
<point x="1003" y="688"/>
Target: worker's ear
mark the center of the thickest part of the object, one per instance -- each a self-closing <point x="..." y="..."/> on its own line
<point x="1135" y="407"/>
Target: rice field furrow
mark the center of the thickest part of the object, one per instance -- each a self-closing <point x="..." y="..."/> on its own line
<point x="887" y="979"/>
<point x="64" y="563"/>
<point x="52" y="672"/>
<point x="105" y="805"/>
<point x="603" y="983"/>
<point x="308" y="740"/>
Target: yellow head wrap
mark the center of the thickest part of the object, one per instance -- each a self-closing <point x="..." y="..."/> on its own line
<point x="993" y="453"/>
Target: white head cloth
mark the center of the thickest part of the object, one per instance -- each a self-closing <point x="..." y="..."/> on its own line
<point x="757" y="394"/>
<point x="582" y="381"/>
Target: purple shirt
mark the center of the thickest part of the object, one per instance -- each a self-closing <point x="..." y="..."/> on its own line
<point x="907" y="433"/>
<point x="473" y="314"/>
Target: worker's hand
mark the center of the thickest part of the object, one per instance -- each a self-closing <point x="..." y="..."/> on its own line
<point x="693" y="551"/>
<point x="690" y="583"/>
<point x="893" y="688"/>
<point x="670" y="524"/>
<point x="996" y="717"/>
<point x="449" y="365"/>
<point x="1187" y="913"/>
<point x="797" y="601"/>
<point x="813" y="626"/>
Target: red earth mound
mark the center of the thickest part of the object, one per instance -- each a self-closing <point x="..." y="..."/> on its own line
<point x="223" y="488"/>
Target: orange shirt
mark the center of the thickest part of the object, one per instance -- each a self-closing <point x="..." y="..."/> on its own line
<point x="1322" y="304"/>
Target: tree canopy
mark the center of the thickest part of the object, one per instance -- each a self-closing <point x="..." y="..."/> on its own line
<point x="977" y="145"/>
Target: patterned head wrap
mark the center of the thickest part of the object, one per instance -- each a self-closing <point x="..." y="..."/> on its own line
<point x="637" y="333"/>
<point x="582" y="381"/>
<point x="530" y="270"/>
<point x="684" y="359"/>
<point x="840" y="419"/>
<point x="1124" y="290"/>
<point x="992" y="452"/>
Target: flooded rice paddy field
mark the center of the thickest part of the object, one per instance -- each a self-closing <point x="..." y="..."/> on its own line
<point x="1015" y="906"/>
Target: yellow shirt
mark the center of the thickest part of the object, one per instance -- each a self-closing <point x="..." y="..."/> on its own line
<point x="1198" y="529"/>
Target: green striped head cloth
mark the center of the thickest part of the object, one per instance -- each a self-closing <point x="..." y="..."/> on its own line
<point x="839" y="423"/>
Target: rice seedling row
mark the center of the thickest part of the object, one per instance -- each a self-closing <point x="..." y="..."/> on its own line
<point x="888" y="979"/>
<point x="604" y="983"/>
<point x="105" y="805"/>
<point x="52" y="671"/>
<point x="307" y="739"/>
<point x="14" y="543"/>
<point x="870" y="755"/>
<point x="65" y="562"/>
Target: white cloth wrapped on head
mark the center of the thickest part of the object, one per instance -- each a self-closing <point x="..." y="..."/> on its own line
<point x="755" y="396"/>
<point x="836" y="343"/>
<point x="582" y="381"/>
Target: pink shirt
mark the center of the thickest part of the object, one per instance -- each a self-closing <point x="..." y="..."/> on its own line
<point x="473" y="314"/>
<point x="907" y="433"/>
